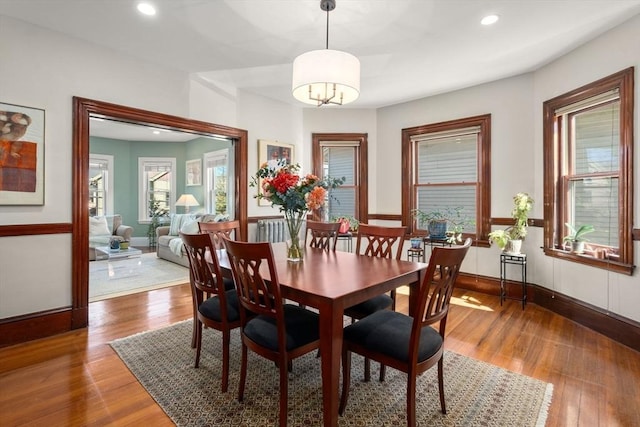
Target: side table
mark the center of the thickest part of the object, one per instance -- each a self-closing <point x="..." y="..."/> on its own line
<point x="433" y="242"/>
<point x="415" y="254"/>
<point x="347" y="238"/>
<point x="513" y="259"/>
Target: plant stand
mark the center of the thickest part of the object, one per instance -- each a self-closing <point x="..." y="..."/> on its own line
<point x="521" y="260"/>
<point x="433" y="242"/>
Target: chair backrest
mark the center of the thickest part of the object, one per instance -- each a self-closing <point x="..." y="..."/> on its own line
<point x="257" y="295"/>
<point x="322" y="235"/>
<point x="436" y="289"/>
<point x="228" y="229"/>
<point x="204" y="268"/>
<point x="378" y="241"/>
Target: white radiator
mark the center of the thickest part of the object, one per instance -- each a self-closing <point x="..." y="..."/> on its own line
<point x="275" y="230"/>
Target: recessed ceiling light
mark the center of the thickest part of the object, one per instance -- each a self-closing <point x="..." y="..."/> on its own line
<point x="156" y="132"/>
<point x="146" y="9"/>
<point x="489" y="19"/>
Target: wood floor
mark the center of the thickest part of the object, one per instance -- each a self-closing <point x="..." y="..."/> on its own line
<point x="76" y="379"/>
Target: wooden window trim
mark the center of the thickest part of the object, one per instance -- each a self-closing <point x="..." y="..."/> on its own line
<point x="483" y="196"/>
<point x="624" y="82"/>
<point x="362" y="202"/>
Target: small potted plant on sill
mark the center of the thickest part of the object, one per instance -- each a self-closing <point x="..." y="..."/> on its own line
<point x="510" y="239"/>
<point x="348" y="223"/>
<point x="576" y="238"/>
<point x="444" y="224"/>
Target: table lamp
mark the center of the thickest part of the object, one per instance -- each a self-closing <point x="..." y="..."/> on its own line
<point x="187" y="200"/>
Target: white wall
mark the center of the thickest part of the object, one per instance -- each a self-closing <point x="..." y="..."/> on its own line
<point x="46" y="69"/>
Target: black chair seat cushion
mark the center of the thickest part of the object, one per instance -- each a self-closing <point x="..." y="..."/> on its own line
<point x="389" y="332"/>
<point x="228" y="283"/>
<point x="302" y="327"/>
<point x="211" y="307"/>
<point x="370" y="306"/>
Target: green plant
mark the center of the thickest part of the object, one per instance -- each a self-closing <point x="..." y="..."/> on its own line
<point x="523" y="203"/>
<point x="577" y="234"/>
<point x="455" y="220"/>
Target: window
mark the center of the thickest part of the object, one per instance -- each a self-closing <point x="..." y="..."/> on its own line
<point x="588" y="154"/>
<point x="157" y="183"/>
<point x="337" y="156"/>
<point x="100" y="184"/>
<point x="218" y="186"/>
<point x="446" y="165"/>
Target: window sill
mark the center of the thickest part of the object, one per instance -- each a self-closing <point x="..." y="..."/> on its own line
<point x="606" y="264"/>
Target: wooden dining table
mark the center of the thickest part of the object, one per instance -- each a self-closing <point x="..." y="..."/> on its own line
<point x="331" y="281"/>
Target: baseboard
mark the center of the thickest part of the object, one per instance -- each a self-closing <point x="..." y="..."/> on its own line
<point x="20" y="329"/>
<point x="611" y="325"/>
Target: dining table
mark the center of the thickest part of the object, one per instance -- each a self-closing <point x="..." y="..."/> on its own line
<point x="331" y="281"/>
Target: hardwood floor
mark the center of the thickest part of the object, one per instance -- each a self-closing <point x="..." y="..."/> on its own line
<point x="75" y="379"/>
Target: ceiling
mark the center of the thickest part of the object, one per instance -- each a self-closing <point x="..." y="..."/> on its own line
<point x="408" y="49"/>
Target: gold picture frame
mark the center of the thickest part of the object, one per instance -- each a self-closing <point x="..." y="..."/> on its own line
<point x="273" y="151"/>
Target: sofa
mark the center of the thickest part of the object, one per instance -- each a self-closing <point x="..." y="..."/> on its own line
<point x="102" y="229"/>
<point x="168" y="239"/>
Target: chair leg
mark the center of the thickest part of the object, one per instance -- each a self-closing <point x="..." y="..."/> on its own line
<point x="441" y="385"/>
<point x="194" y="333"/>
<point x="367" y="369"/>
<point x="198" y="330"/>
<point x="383" y="369"/>
<point x="226" y="339"/>
<point x="284" y="388"/>
<point x="411" y="399"/>
<point x="243" y="373"/>
<point x="346" y="380"/>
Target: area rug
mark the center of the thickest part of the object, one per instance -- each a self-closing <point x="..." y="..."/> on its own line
<point x="108" y="279"/>
<point x="477" y="393"/>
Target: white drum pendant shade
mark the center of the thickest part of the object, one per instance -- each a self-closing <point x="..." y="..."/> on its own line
<point x="320" y="70"/>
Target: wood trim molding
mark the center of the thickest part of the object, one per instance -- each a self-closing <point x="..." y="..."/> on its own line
<point x="636" y="233"/>
<point x="533" y="222"/>
<point x="618" y="328"/>
<point x="82" y="110"/>
<point x="361" y="163"/>
<point x="35" y="229"/>
<point x="20" y="329"/>
<point x="385" y="217"/>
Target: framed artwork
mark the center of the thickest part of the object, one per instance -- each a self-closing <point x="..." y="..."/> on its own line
<point x="21" y="155"/>
<point x="273" y="151"/>
<point x="194" y="172"/>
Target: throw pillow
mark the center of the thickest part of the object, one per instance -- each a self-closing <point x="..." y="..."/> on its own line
<point x="98" y="226"/>
<point x="190" y="227"/>
<point x="177" y="220"/>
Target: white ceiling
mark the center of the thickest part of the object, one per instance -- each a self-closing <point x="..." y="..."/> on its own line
<point x="408" y="49"/>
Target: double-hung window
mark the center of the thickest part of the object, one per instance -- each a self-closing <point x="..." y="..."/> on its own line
<point x="342" y="156"/>
<point x="588" y="155"/>
<point x="446" y="166"/>
<point x="100" y="184"/>
<point x="157" y="184"/>
<point x="218" y="186"/>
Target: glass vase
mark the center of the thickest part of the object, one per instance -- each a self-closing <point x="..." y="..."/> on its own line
<point x="294" y="221"/>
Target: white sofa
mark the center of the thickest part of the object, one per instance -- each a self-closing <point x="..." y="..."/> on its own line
<point x="104" y="228"/>
<point x="168" y="240"/>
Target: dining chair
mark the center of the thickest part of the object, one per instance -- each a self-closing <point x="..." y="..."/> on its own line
<point x="408" y="343"/>
<point x="376" y="241"/>
<point x="220" y="311"/>
<point x="322" y="235"/>
<point x="278" y="332"/>
<point x="229" y="229"/>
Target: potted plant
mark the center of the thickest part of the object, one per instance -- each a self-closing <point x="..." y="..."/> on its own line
<point x="347" y="219"/>
<point x="510" y="239"/>
<point x="444" y="224"/>
<point x="576" y="238"/>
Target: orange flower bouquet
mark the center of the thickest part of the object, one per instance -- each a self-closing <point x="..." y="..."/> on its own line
<point x="296" y="196"/>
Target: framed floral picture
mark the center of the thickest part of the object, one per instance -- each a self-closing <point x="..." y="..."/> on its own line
<point x="21" y="155"/>
<point x="194" y="172"/>
<point x="273" y="152"/>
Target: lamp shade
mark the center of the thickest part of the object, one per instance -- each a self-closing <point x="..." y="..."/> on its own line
<point x="187" y="200"/>
<point x="320" y="70"/>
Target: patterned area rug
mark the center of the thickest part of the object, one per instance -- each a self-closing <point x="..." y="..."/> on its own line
<point x="108" y="279"/>
<point x="477" y="393"/>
